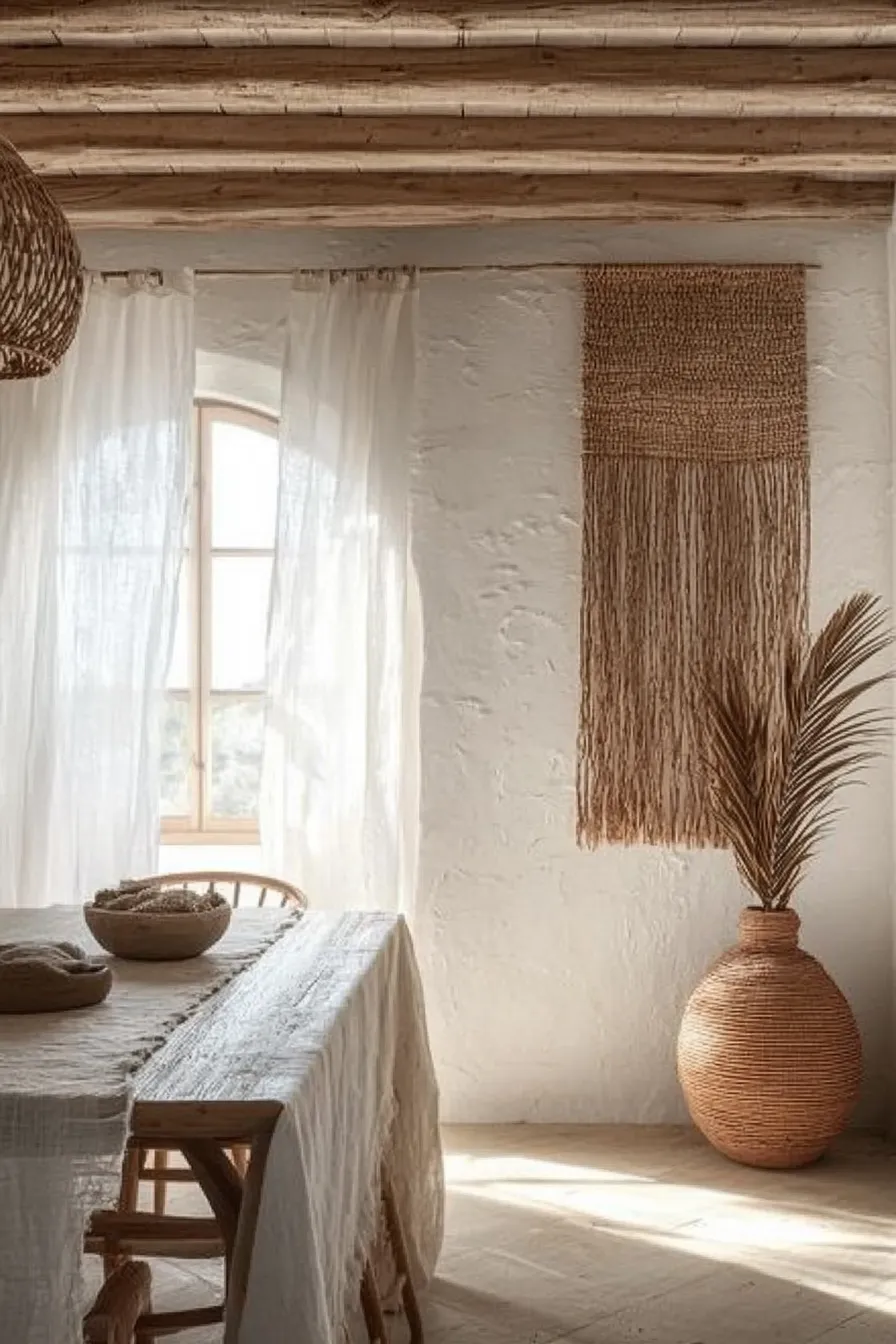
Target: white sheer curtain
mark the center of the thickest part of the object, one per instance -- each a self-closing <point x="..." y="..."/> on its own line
<point x="340" y="799"/>
<point x="93" y="487"/>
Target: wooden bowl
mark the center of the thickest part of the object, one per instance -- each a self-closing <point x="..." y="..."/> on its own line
<point x="138" y="935"/>
<point x="38" y="985"/>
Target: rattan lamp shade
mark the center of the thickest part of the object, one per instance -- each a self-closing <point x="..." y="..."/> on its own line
<point x="41" y="279"/>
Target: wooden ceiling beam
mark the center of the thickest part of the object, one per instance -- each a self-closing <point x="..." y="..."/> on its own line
<point x="445" y="21"/>
<point x="393" y="200"/>
<point x="539" y="80"/>
<point x="196" y="142"/>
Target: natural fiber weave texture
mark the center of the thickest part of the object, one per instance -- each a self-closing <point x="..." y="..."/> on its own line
<point x="41" y="279"/>
<point x="695" y="525"/>
<point x="769" y="1055"/>
<point x="44" y="977"/>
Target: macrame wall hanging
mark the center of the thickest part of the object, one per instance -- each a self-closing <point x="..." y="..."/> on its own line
<point x="695" y="527"/>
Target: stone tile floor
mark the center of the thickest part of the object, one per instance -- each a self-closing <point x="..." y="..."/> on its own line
<point x="630" y="1235"/>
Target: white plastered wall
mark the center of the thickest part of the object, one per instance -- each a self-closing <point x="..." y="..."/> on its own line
<point x="556" y="978"/>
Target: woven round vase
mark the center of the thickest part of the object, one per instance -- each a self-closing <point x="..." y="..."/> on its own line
<point x="769" y="1055"/>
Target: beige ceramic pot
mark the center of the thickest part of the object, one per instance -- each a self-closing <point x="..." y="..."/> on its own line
<point x="769" y="1055"/>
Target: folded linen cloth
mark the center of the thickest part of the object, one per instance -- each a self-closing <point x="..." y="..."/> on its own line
<point x="43" y="977"/>
<point x="53" y="958"/>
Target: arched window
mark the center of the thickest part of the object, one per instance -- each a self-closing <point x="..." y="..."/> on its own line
<point x="212" y="742"/>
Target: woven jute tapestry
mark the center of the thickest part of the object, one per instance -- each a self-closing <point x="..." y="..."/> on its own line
<point x="695" y="527"/>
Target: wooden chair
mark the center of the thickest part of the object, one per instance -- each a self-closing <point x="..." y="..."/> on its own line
<point x="145" y="1165"/>
<point x="121" y="1306"/>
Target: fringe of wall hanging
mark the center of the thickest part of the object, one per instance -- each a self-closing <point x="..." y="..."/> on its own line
<point x="695" y="524"/>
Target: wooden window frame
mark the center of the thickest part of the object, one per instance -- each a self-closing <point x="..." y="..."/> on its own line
<point x="201" y="827"/>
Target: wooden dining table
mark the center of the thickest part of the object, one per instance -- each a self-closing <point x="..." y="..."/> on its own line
<point x="300" y="1037"/>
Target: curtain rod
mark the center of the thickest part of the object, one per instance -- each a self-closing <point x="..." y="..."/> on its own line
<point x="244" y="273"/>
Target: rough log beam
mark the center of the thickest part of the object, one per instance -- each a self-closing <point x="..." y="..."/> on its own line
<point x="540" y="80"/>
<point x="197" y="142"/>
<point x="445" y="21"/>
<point x="391" y="200"/>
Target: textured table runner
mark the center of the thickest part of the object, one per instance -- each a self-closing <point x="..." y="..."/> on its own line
<point x="65" y="1097"/>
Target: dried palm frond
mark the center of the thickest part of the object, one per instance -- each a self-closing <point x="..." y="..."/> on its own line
<point x="777" y="758"/>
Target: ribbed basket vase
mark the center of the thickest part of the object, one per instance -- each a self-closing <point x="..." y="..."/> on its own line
<point x="769" y="1054"/>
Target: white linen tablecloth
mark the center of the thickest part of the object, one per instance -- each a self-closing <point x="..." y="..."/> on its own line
<point x="325" y="1016"/>
<point x="331" y="1023"/>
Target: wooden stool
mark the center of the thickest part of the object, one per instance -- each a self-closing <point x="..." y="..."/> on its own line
<point x="122" y="1300"/>
<point x="113" y="1233"/>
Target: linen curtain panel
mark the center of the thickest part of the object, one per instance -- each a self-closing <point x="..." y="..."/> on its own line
<point x="340" y="795"/>
<point x="93" y="491"/>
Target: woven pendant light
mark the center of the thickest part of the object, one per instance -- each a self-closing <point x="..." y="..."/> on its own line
<point x="41" y="278"/>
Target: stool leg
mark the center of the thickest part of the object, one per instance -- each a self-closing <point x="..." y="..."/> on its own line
<point x="129" y="1193"/>
<point x="128" y="1199"/>
<point x="372" y="1308"/>
<point x="142" y="1336"/>
<point x="159" y="1191"/>
<point x="402" y="1264"/>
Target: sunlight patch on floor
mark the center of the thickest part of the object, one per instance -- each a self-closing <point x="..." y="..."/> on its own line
<point x="836" y="1251"/>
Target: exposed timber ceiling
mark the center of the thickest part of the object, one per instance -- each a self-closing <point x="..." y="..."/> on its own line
<point x="210" y="114"/>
